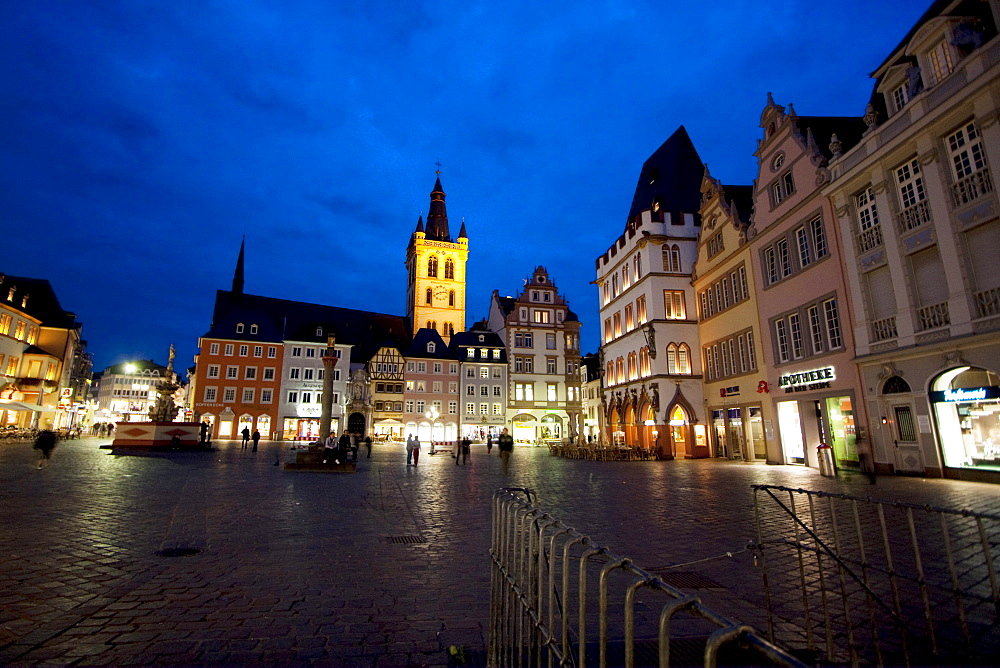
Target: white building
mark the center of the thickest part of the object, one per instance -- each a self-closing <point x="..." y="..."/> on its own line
<point x="542" y="336"/>
<point x="482" y="398"/>
<point x="301" y="390"/>
<point x="649" y="329"/>
<point x="126" y="392"/>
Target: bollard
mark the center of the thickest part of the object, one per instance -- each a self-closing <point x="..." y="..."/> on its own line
<point x="827" y="466"/>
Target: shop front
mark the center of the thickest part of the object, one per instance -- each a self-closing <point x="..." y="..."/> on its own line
<point x="523" y="428"/>
<point x="965" y="404"/>
<point x="815" y="407"/>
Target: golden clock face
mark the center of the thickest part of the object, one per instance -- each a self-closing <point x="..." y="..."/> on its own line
<point x="440" y="293"/>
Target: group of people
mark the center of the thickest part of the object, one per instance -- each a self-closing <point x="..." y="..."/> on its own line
<point x="246" y="437"/>
<point x="345" y="449"/>
<point x="102" y="428"/>
<point x="463" y="448"/>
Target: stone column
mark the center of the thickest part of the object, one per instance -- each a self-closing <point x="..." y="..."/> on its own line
<point x="329" y="363"/>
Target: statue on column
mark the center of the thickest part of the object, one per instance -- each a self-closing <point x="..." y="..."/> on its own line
<point x="165" y="409"/>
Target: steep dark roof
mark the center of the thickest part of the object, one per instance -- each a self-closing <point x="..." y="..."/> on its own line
<point x="671" y="176"/>
<point x="42" y="301"/>
<point x="281" y="319"/>
<point x="462" y="340"/>
<point x="848" y="129"/>
<point x="238" y="274"/>
<point x="506" y="304"/>
<point x="592" y="363"/>
<point x="437" y="217"/>
<point x="742" y="198"/>
<point x="418" y="346"/>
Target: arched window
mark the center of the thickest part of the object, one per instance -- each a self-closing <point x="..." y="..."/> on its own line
<point x="449" y="329"/>
<point x="644" y="369"/>
<point x="432" y="324"/>
<point x="620" y="370"/>
<point x="672" y="258"/>
<point x="671" y="358"/>
<point x="683" y="358"/>
<point x="895" y="385"/>
<point x="432" y="266"/>
<point x="636" y="267"/>
<point x="633" y="367"/>
<point x="430" y="297"/>
<point x="610" y="373"/>
<point x="451" y="297"/>
<point x="449" y="268"/>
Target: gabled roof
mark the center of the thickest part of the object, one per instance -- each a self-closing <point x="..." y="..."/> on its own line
<point x="280" y="319"/>
<point x="670" y="176"/>
<point x="42" y="301"/>
<point x="418" y="346"/>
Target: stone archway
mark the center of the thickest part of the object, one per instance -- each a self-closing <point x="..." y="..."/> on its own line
<point x="357" y="424"/>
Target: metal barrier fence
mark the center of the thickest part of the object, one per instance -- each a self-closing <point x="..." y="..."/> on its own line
<point x="542" y="611"/>
<point x="861" y="581"/>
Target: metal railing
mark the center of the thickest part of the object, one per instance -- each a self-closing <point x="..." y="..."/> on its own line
<point x="540" y="614"/>
<point x="884" y="329"/>
<point x="913" y="217"/>
<point x="971" y="188"/>
<point x="988" y="302"/>
<point x="869" y="238"/>
<point x="877" y="582"/>
<point x="935" y="315"/>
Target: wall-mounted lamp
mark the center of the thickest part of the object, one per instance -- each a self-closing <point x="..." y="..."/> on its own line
<point x="885" y="420"/>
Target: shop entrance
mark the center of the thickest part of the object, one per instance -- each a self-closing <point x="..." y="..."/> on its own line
<point x="900" y="427"/>
<point x="734" y="434"/>
<point x="966" y="403"/>
<point x="840" y="431"/>
<point x="790" y="426"/>
<point x="755" y="433"/>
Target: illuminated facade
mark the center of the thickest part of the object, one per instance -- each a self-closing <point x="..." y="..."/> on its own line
<point x="592" y="404"/>
<point x="301" y="393"/>
<point x="386" y="374"/>
<point x="917" y="207"/>
<point x="542" y="336"/>
<point x="435" y="265"/>
<point x="126" y="392"/>
<point x="430" y="394"/>
<point x="482" y="390"/>
<point x="649" y="332"/>
<point x="736" y="391"/>
<point x="802" y="297"/>
<point x="39" y="341"/>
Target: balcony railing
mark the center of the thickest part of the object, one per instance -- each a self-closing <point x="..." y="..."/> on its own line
<point x="936" y="315"/>
<point x="988" y="302"/>
<point x="884" y="329"/>
<point x="971" y="188"/>
<point x="870" y="238"/>
<point x="913" y="217"/>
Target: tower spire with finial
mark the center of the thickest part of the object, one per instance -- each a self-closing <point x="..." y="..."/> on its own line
<point x="238" y="274"/>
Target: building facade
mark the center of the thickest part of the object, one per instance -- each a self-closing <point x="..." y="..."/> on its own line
<point x="430" y="393"/>
<point x="736" y="391"/>
<point x="482" y="390"/>
<point x="649" y="331"/>
<point x="435" y="265"/>
<point x="301" y="392"/>
<point x="542" y="337"/>
<point x="592" y="405"/>
<point x="916" y="202"/>
<point x="126" y="392"/>
<point x="802" y="296"/>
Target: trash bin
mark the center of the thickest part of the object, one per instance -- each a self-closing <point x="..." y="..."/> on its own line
<point x="827" y="467"/>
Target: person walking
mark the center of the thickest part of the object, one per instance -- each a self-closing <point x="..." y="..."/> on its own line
<point x="410" y="440"/>
<point x="256" y="439"/>
<point x="343" y="447"/>
<point x="246" y="436"/>
<point x="466" y="449"/>
<point x="368" y="446"/>
<point x="489" y="443"/>
<point x="505" y="444"/>
<point x="45" y="443"/>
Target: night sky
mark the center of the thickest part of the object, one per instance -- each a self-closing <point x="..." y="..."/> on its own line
<point x="140" y="140"/>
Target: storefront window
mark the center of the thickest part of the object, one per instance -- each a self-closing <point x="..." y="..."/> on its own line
<point x="791" y="432"/>
<point x="966" y="403"/>
<point x="841" y="434"/>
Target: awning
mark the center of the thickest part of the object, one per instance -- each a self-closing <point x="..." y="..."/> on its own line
<point x="8" y="405"/>
<point x="388" y="422"/>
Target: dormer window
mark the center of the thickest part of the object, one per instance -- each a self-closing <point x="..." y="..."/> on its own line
<point x="10" y="294"/>
<point x="319" y="331"/>
<point x="431" y="346"/>
<point x="253" y="329"/>
<point x="481" y="338"/>
<point x="941" y="61"/>
<point x="239" y="328"/>
<point x="470" y="352"/>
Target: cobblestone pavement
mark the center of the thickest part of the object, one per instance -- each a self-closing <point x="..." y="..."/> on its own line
<point x="299" y="567"/>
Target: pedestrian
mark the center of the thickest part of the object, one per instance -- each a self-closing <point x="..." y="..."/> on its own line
<point x="204" y="433"/>
<point x="505" y="444"/>
<point x="866" y="459"/>
<point x="458" y="450"/>
<point x="354" y="448"/>
<point x="246" y="436"/>
<point x="330" y="449"/>
<point x="256" y="439"/>
<point x="343" y="447"/>
<point x="489" y="443"/>
<point x="45" y="443"/>
<point x="368" y="446"/>
<point x="466" y="449"/>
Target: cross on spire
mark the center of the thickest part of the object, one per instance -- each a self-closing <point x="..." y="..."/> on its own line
<point x="438" y="170"/>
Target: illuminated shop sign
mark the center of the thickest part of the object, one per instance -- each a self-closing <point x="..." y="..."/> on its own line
<point x="966" y="394"/>
<point x="816" y="376"/>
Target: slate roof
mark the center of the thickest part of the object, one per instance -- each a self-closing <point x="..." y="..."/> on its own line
<point x="437" y="217"/>
<point x="463" y="340"/>
<point x="672" y="176"/>
<point x="418" y="346"/>
<point x="42" y="301"/>
<point x="281" y="319"/>
<point x="849" y="130"/>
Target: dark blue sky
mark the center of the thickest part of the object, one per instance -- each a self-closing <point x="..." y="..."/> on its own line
<point x="141" y="139"/>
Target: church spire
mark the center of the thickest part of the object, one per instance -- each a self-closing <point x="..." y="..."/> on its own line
<point x="238" y="274"/>
<point x="437" y="217"/>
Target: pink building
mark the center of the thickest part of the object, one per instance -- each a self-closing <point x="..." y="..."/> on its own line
<point x="811" y="377"/>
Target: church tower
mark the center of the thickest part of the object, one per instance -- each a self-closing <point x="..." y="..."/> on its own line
<point x="435" y="265"/>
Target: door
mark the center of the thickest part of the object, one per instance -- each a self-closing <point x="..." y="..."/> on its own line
<point x="757" y="448"/>
<point x="901" y="431"/>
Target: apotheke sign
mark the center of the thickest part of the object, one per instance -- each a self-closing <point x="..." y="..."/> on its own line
<point x="815" y="376"/>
